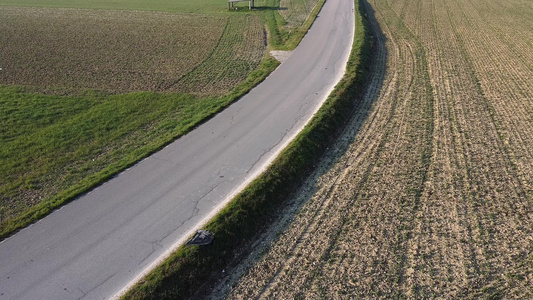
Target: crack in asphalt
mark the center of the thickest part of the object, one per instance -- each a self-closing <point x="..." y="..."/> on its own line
<point x="169" y="161"/>
<point x="94" y="288"/>
<point x="232" y="120"/>
<point x="155" y="244"/>
<point x="280" y="140"/>
<point x="196" y="209"/>
<point x="70" y="292"/>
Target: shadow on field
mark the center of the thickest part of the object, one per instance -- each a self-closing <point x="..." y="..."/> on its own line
<point x="244" y="8"/>
<point x="265" y="8"/>
<point x="363" y="100"/>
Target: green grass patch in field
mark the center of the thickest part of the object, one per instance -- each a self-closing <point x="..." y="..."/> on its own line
<point x="298" y="16"/>
<point x="249" y="213"/>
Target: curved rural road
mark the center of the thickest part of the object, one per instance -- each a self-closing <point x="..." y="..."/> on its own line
<point x="100" y="243"/>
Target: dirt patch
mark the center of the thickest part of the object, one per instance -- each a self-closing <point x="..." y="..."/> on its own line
<point x="124" y="51"/>
<point x="281" y="56"/>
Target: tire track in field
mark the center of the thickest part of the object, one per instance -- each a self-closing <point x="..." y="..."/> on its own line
<point x="270" y="272"/>
<point x="460" y="208"/>
<point x="505" y="78"/>
<point x="428" y="201"/>
<point x="501" y="202"/>
<point x="430" y="248"/>
<point x="319" y="234"/>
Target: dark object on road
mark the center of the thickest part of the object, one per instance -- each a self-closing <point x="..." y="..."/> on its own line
<point x="202" y="237"/>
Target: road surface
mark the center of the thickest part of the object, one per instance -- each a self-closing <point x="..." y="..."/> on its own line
<point x="99" y="244"/>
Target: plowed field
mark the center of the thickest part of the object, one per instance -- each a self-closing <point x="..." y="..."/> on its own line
<point x="429" y="193"/>
<point x="124" y="51"/>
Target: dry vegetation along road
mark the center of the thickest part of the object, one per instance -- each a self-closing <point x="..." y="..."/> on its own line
<point x="430" y="191"/>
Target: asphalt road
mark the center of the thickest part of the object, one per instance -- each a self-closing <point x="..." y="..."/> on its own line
<point x="97" y="245"/>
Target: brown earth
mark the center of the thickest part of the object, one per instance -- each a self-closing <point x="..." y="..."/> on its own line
<point x="72" y="50"/>
<point x="429" y="193"/>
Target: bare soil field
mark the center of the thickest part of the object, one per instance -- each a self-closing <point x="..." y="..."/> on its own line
<point x="429" y="193"/>
<point x="125" y="51"/>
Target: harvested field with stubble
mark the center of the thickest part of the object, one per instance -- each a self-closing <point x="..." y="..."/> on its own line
<point x="72" y="50"/>
<point x="429" y="193"/>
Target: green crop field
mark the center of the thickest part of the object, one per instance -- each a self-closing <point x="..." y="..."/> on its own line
<point x="87" y="88"/>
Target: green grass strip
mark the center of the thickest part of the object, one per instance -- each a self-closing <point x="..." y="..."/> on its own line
<point x="249" y="213"/>
<point x="289" y="40"/>
<point x="280" y="38"/>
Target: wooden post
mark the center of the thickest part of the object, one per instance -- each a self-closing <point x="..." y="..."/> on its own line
<point x="251" y="3"/>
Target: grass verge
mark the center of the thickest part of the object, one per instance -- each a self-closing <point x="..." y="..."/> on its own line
<point x="282" y="38"/>
<point x="249" y="213"/>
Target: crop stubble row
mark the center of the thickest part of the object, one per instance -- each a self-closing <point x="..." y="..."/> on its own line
<point x="239" y="51"/>
<point x="433" y="197"/>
